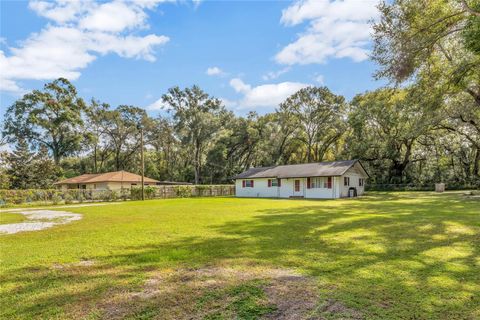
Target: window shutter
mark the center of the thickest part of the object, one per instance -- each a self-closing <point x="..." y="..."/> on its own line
<point x="308" y="183"/>
<point x="269" y="183"/>
<point x="279" y="182"/>
<point x="252" y="183"/>
<point x="243" y="183"/>
<point x="329" y="183"/>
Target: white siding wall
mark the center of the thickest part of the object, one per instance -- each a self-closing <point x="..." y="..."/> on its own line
<point x="286" y="190"/>
<point x="355" y="173"/>
<point x="260" y="189"/>
<point x="324" y="193"/>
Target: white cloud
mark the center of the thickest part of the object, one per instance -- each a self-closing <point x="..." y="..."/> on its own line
<point x="77" y="34"/>
<point x="114" y="17"/>
<point x="336" y="29"/>
<point x="61" y="11"/>
<point x="158" y="105"/>
<point x="275" y="74"/>
<point x="239" y="86"/>
<point x="267" y="95"/>
<point x="214" y="71"/>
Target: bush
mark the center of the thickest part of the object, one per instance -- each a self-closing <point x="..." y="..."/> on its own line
<point x="56" y="199"/>
<point x="202" y="190"/>
<point x="150" y="192"/>
<point x="135" y="193"/>
<point x="183" y="191"/>
<point x="111" y="196"/>
<point x="124" y="194"/>
<point x="68" y="198"/>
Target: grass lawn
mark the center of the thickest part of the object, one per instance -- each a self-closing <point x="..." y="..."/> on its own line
<point x="6" y="218"/>
<point x="407" y="255"/>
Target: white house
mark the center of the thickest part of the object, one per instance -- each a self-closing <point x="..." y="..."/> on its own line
<point x="321" y="180"/>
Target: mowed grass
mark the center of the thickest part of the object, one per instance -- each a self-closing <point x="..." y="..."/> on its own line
<point x="10" y="217"/>
<point x="404" y="255"/>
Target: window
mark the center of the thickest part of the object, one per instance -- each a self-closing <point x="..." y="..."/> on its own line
<point x="346" y="181"/>
<point x="273" y="183"/>
<point x="320" y="182"/>
<point x="247" y="183"/>
<point x="297" y="185"/>
<point x="361" y="182"/>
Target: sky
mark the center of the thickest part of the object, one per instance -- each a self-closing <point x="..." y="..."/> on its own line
<point x="250" y="54"/>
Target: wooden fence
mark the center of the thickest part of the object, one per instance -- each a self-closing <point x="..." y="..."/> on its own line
<point x="185" y="191"/>
<point x="54" y="196"/>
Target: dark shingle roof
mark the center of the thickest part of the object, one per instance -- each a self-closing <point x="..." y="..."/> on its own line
<point x="318" y="169"/>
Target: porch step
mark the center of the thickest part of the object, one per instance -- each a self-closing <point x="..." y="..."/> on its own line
<point x="296" y="197"/>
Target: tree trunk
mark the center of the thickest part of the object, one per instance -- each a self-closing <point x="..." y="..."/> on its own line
<point x="95" y="158"/>
<point x="56" y="157"/>
<point x="476" y="164"/>
<point x="117" y="160"/>
<point x="197" y="162"/>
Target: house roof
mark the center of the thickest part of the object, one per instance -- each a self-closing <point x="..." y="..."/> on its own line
<point x="317" y="169"/>
<point x="116" y="176"/>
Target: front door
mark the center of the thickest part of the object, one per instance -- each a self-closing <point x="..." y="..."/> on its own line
<point x="297" y="187"/>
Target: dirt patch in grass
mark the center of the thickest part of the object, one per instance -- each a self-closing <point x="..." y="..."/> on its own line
<point x="39" y="220"/>
<point x="224" y="293"/>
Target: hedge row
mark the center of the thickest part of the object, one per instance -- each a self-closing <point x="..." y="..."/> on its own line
<point x="418" y="187"/>
<point x="53" y="196"/>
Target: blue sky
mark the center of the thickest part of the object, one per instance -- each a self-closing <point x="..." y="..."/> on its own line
<point x="251" y="54"/>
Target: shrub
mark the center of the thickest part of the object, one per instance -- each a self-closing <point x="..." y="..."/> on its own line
<point x="111" y="195"/>
<point x="149" y="192"/>
<point x="135" y="193"/>
<point x="183" y="191"/>
<point x="202" y="190"/>
<point x="56" y="199"/>
<point x="124" y="194"/>
<point x="68" y="198"/>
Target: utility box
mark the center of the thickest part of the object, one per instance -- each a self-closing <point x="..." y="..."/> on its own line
<point x="439" y="187"/>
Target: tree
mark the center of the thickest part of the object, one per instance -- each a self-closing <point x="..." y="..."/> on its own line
<point x="20" y="166"/>
<point x="166" y="147"/>
<point x="430" y="39"/>
<point x="317" y="114"/>
<point x="52" y="117"/>
<point x="96" y="136"/>
<point x="121" y="126"/>
<point x="386" y="125"/>
<point x="45" y="172"/>
<point x="197" y="118"/>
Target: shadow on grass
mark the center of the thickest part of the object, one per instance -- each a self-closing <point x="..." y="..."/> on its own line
<point x="388" y="255"/>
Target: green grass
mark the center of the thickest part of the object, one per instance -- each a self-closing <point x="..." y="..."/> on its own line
<point x="406" y="255"/>
<point x="7" y="218"/>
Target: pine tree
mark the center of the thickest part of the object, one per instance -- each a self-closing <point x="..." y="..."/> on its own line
<point x="45" y="170"/>
<point x="20" y="166"/>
